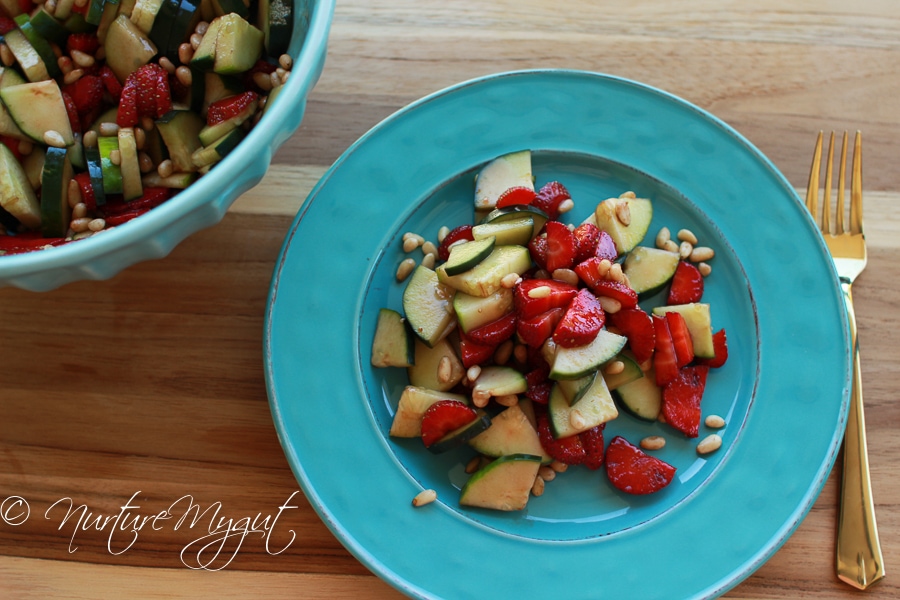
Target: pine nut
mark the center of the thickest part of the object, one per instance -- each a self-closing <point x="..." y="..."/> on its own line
<point x="167" y="64"/>
<point x="7" y="56"/>
<point x="503" y="352"/>
<point x="541" y="291"/>
<point x="653" y="442"/>
<point x="442" y="233"/>
<point x="195" y="40"/>
<point x="147" y="123"/>
<point x="473" y="372"/>
<point x="262" y="81"/>
<point x="82" y="59"/>
<point x="702" y="254"/>
<point x="609" y="305"/>
<point x="704" y="269"/>
<point x="559" y="467"/>
<point x="145" y="163"/>
<point x="286" y="62"/>
<point x="108" y="128"/>
<point x="275" y="79"/>
<point x="79" y="225"/>
<point x="82" y="235"/>
<point x="74" y="196"/>
<point x="54" y="138"/>
<point x="614" y="367"/>
<point x="410" y="244"/>
<point x="25" y="147"/>
<point x="445" y="370"/>
<point x="79" y="211"/>
<point x="671" y="246"/>
<point x="115" y="157"/>
<point x="615" y="272"/>
<point x="576" y="419"/>
<point x="73" y="76"/>
<point x="473" y="465"/>
<point x="429" y="260"/>
<point x="546" y="473"/>
<point x="424" y="497"/>
<point x="89" y="139"/>
<point x="419" y="239"/>
<point x="429" y="248"/>
<point x="480" y="398"/>
<point x="623" y="213"/>
<point x="406" y="267"/>
<point x="565" y="206"/>
<point x="140" y="138"/>
<point x="629" y="194"/>
<point x="185" y="53"/>
<point x="566" y="276"/>
<point x="714" y="421"/>
<point x="507" y="400"/>
<point x="65" y="64"/>
<point x="710" y="443"/>
<point x="537" y="488"/>
<point x="97" y="225"/>
<point x="685" y="249"/>
<point x="520" y="352"/>
<point x="662" y="237"/>
<point x="184" y="75"/>
<point x="201" y="27"/>
<point x="165" y="168"/>
<point x="510" y="280"/>
<point x="603" y="267"/>
<point x="686" y="235"/>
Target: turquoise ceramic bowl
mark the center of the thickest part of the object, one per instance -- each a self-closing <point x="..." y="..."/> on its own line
<point x="201" y="205"/>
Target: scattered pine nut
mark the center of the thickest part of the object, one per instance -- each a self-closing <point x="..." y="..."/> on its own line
<point x="629" y="194"/>
<point x="576" y="419"/>
<point x="715" y="421"/>
<point x="79" y="225"/>
<point x="406" y="267"/>
<point x="686" y="235"/>
<point x="108" y="128"/>
<point x="662" y="237"/>
<point x="615" y="272"/>
<point x="89" y="139"/>
<point x="54" y="138"/>
<point x="623" y="213"/>
<point x="507" y="400"/>
<point x="671" y="246"/>
<point x="704" y="268"/>
<point x="185" y="53"/>
<point x="481" y="398"/>
<point x="473" y="372"/>
<point x="442" y="233"/>
<point x="614" y="367"/>
<point x="503" y="352"/>
<point x="559" y="467"/>
<point x="184" y="75"/>
<point x="710" y="443"/>
<point x="429" y="260"/>
<point x="537" y="488"/>
<point x="97" y="224"/>
<point x="565" y="206"/>
<point x="685" y="249"/>
<point x="201" y="28"/>
<point x="73" y="195"/>
<point x="6" y="56"/>
<point x="566" y="276"/>
<point x="165" y="168"/>
<point x="541" y="291"/>
<point x="82" y="59"/>
<point x="520" y="352"/>
<point x="702" y="254"/>
<point x="195" y="39"/>
<point x="73" y="76"/>
<point x="610" y="305"/>
<point x="653" y="442"/>
<point x="445" y="370"/>
<point x="546" y="473"/>
<point x="115" y="157"/>
<point x="603" y="267"/>
<point x="410" y="244"/>
<point x="429" y="248"/>
<point x="286" y="62"/>
<point x="510" y="280"/>
<point x="473" y="465"/>
<point x="424" y="497"/>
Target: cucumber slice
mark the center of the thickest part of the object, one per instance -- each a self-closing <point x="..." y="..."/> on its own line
<point x="511" y="432"/>
<point x="649" y="269"/>
<point x="162" y="24"/>
<point x="699" y="323"/>
<point x="276" y="18"/>
<point x="94" y="11"/>
<point x="144" y="14"/>
<point x="129" y="164"/>
<point x="209" y="155"/>
<point x="426" y="366"/>
<point x="595" y="408"/>
<point x="16" y="194"/>
<point x="463" y="434"/>
<point x="516" y="231"/>
<point x="427" y="305"/>
<point x="392" y="345"/>
<point x="496" y="380"/>
<point x="575" y="389"/>
<point x="485" y="278"/>
<point x="49" y="27"/>
<point x="95" y="172"/>
<point x="502" y="173"/>
<point x="517" y="211"/>
<point x="223" y="7"/>
<point x="414" y="401"/>
<point x="205" y="55"/>
<point x="40" y="45"/>
<point x="33" y="164"/>
<point x="474" y="311"/>
<point x="465" y="256"/>
<point x="641" y="398"/>
<point x="38" y="107"/>
<point x="631" y="372"/>
<point x="573" y="363"/>
<point x="112" y="173"/>
<point x="127" y="46"/>
<point x="55" y="177"/>
<point x="628" y="236"/>
<point x="180" y="130"/>
<point x="238" y="45"/>
<point x="504" y="484"/>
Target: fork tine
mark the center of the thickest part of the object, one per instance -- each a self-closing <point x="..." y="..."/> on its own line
<point x="856" y="206"/>
<point x="842" y="182"/>
<point x="812" y="188"/>
<point x="826" y="201"/>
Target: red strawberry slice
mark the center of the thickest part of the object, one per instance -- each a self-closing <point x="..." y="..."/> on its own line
<point x="26" y="242"/>
<point x="515" y="195"/>
<point x="681" y="400"/>
<point x="72" y="113"/>
<point x="110" y="82"/>
<point x="537" y="247"/>
<point x="569" y="450"/>
<point x="587" y="235"/>
<point x="592" y="440"/>
<point x="152" y="197"/>
<point x="582" y="321"/>
<point x="13" y="144"/>
<point x="561" y="249"/>
<point x="606" y="247"/>
<point x="122" y="218"/>
<point x="637" y="326"/>
<point x="472" y="352"/>
<point x="531" y="300"/>
<point x="687" y="285"/>
<point x="618" y="291"/>
<point x="86" y="92"/>
<point x="230" y="107"/>
<point x="550" y="196"/>
<point x="535" y="331"/>
<point x="6" y="24"/>
<point x="445" y="416"/>
<point x="720" y="346"/>
<point x="681" y="338"/>
<point x="146" y="93"/>
<point x="462" y="233"/>
<point x="589" y="271"/>
<point x="633" y="471"/>
<point x="539" y="392"/>
<point x="82" y="42"/>
<point x="496" y="332"/>
<point x="664" y="358"/>
<point x="83" y="180"/>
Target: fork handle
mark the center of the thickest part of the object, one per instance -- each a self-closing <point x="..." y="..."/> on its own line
<point x="859" y="559"/>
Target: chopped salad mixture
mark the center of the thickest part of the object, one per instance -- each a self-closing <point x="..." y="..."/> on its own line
<point x="522" y="336"/>
<point x="108" y="108"/>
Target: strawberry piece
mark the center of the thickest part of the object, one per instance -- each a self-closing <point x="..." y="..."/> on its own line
<point x="261" y="66"/>
<point x="592" y="440"/>
<point x="495" y="332"/>
<point x="152" y="197"/>
<point x="681" y="400"/>
<point x="531" y="302"/>
<point x="472" y="352"/>
<point x="122" y="218"/>
<point x="72" y="113"/>
<point x="13" y="144"/>
<point x="83" y="180"/>
<point x="633" y="471"/>
<point x="549" y="197"/>
<point x="561" y="249"/>
<point x="569" y="450"/>
<point x="82" y="42"/>
<point x="687" y="285"/>
<point x="515" y="195"/>
<point x="146" y="93"/>
<point x="232" y="106"/>
<point x="637" y="326"/>
<point x="6" y="24"/>
<point x="618" y="291"/>
<point x="582" y="321"/>
<point x="606" y="247"/>
<point x="720" y="346"/>
<point x="589" y="271"/>
<point x="110" y="82"/>
<point x="26" y="242"/>
<point x="535" y="331"/>
<point x="86" y="92"/>
<point x="587" y="235"/>
<point x="664" y="359"/>
<point x="461" y="233"/>
<point x="443" y="417"/>
<point x="537" y="247"/>
<point x="681" y="338"/>
<point x="539" y="392"/>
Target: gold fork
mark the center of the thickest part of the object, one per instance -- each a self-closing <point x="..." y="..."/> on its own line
<point x="858" y="557"/>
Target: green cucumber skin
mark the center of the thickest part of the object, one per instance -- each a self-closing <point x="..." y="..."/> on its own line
<point x="461" y="436"/>
<point x="55" y="211"/>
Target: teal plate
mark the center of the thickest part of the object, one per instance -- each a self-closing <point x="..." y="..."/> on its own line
<point x="783" y="392"/>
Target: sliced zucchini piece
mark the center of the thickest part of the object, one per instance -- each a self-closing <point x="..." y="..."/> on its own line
<point x="427" y="304"/>
<point x="129" y="164"/>
<point x="506" y="171"/>
<point x="575" y="389"/>
<point x="595" y="408"/>
<point x="414" y="401"/>
<point x="631" y="372"/>
<point x="180" y="130"/>
<point x="624" y="236"/>
<point x="112" y="173"/>
<point x="649" y="269"/>
<point x="55" y="176"/>
<point x="573" y="363"/>
<point x="95" y="172"/>
<point x="461" y="435"/>
<point x="465" y="256"/>
<point x="511" y="432"/>
<point x="127" y="46"/>
<point x="474" y="311"/>
<point x="517" y="231"/>
<point x="16" y="194"/>
<point x="497" y="380"/>
<point x="276" y="18"/>
<point x="641" y="398"/>
<point x="504" y="484"/>
<point x="424" y="372"/>
<point x="38" y="107"/>
<point x="485" y="278"/>
<point x="219" y="149"/>
<point x="392" y="345"/>
<point x="40" y="45"/>
<point x="699" y="323"/>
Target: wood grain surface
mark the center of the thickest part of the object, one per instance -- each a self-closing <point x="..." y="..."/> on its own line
<point x="147" y="390"/>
